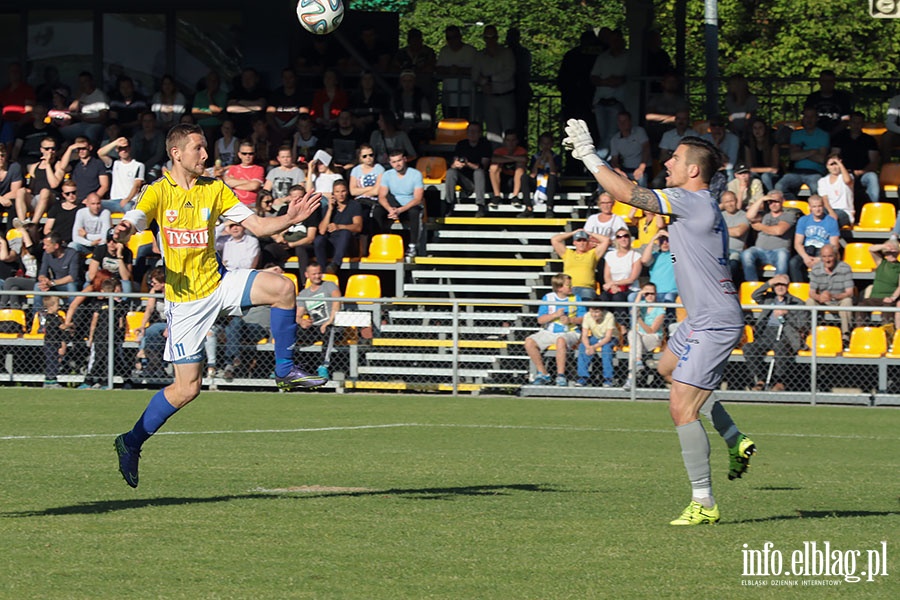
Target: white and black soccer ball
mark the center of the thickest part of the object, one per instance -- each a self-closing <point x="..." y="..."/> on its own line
<point x="320" y="16"/>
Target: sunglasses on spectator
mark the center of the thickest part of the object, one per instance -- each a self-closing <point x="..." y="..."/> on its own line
<point x="623" y="236"/>
<point x="889" y="253"/>
<point x="780" y="283"/>
<point x="366" y="155"/>
<point x="663" y="239"/>
<point x="48" y="148"/>
<point x="68" y="193"/>
<point x="246" y="153"/>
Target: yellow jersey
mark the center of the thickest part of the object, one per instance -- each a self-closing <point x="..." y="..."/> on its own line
<point x="187" y="221"/>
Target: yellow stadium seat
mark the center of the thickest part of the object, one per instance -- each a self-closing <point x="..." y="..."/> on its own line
<point x="745" y="339"/>
<point x="889" y="178"/>
<point x="325" y="277"/>
<point x="828" y="342"/>
<point x="799" y="289"/>
<point x="747" y="289"/>
<point x="12" y="234"/>
<point x="867" y="342"/>
<point x="133" y="321"/>
<point x="622" y="209"/>
<point x="801" y="205"/>
<point x="433" y="169"/>
<point x="14" y="316"/>
<point x="450" y="131"/>
<point x="385" y="248"/>
<point x="796" y="125"/>
<point x="876" y="130"/>
<point x="138" y="240"/>
<point x="363" y="285"/>
<point x="876" y="216"/>
<point x="894" y="352"/>
<point x="36" y="333"/>
<point x="857" y="255"/>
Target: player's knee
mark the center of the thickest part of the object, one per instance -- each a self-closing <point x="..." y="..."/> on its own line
<point x="284" y="289"/>
<point x="180" y="393"/>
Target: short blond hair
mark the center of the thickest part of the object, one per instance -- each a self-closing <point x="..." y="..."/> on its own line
<point x="560" y="280"/>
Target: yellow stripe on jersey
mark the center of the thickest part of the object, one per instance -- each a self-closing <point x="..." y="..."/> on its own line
<point x="187" y="221"/>
<point x="665" y="207"/>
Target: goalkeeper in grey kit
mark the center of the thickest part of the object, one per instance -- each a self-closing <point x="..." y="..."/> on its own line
<point x="698" y="351"/>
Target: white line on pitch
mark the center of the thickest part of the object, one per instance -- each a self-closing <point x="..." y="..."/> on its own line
<point x="445" y="425"/>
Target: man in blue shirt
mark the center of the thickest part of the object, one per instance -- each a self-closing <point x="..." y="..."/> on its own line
<point x="813" y="232"/>
<point x="400" y="197"/>
<point x="809" y="148"/>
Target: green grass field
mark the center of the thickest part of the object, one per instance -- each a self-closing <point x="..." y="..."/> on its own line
<point x="268" y="495"/>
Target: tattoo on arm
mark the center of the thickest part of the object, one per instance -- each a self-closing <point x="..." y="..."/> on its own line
<point x="644" y="199"/>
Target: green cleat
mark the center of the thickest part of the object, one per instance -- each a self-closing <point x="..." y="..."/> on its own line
<point x="697" y="514"/>
<point x="739" y="457"/>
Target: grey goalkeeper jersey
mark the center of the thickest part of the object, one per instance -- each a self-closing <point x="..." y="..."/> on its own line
<point x="698" y="237"/>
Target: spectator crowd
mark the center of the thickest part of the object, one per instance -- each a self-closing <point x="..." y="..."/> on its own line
<point x="73" y="160"/>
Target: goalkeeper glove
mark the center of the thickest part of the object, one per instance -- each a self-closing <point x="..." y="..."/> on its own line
<point x="581" y="144"/>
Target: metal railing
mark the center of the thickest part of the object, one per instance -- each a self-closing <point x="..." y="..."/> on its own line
<point x="466" y="346"/>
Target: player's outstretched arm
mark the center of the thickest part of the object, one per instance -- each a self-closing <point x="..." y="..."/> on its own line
<point x="581" y="144"/>
<point x="298" y="210"/>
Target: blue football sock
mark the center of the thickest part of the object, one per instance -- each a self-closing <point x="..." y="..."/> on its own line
<point x="283" y="323"/>
<point x="157" y="412"/>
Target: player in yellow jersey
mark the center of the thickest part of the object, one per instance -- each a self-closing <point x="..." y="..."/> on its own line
<point x="186" y="205"/>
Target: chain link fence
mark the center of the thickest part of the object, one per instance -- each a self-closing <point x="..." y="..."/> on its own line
<point x="457" y="346"/>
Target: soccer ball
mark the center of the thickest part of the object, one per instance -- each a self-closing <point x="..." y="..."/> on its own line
<point x="320" y="16"/>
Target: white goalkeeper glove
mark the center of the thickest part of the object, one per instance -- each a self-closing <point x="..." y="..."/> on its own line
<point x="581" y="144"/>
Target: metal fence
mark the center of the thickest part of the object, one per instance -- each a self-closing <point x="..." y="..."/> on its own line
<point x="466" y="347"/>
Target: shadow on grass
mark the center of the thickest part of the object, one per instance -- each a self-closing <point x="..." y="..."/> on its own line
<point x="821" y="514"/>
<point x="774" y="488"/>
<point x="439" y="493"/>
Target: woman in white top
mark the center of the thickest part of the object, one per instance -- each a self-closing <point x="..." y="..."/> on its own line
<point x="226" y="147"/>
<point x="836" y="190"/>
<point x="620" y="273"/>
<point x="320" y="177"/>
<point x="168" y="104"/>
<point x="604" y="223"/>
<point x="365" y="178"/>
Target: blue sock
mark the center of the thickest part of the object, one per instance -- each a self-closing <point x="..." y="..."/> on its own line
<point x="156" y="413"/>
<point x="283" y="323"/>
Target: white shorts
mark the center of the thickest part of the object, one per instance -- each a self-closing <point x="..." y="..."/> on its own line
<point x="189" y="322"/>
<point x="544" y="339"/>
